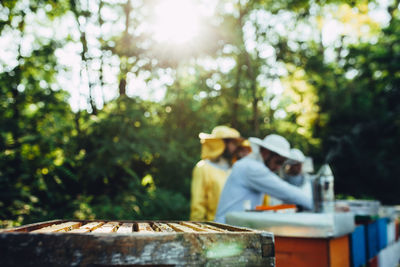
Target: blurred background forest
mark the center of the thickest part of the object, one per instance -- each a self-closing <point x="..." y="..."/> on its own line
<point x="102" y="101"/>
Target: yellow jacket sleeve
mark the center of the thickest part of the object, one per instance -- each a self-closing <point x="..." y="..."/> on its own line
<point x="207" y="185"/>
<point x="198" y="203"/>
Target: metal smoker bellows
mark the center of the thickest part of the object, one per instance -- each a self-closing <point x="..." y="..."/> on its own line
<point x="323" y="191"/>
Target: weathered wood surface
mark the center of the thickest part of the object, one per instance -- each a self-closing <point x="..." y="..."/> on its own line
<point x="181" y="228"/>
<point x="226" y="227"/>
<point x="199" y="227"/>
<point x="86" y="228"/>
<point x="211" y="228"/>
<point x="162" y="227"/>
<point x="81" y="226"/>
<point x="31" y="227"/>
<point x="125" y="228"/>
<point x="144" y="228"/>
<point x="63" y="227"/>
<point x="234" y="247"/>
<point x="107" y="228"/>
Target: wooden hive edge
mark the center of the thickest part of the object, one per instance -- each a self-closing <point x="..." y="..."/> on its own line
<point x="32" y="226"/>
<point x="223" y="228"/>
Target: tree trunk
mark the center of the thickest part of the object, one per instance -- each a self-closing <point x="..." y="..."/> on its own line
<point x="123" y="69"/>
<point x="235" y="106"/>
<point x="101" y="75"/>
<point x="122" y="87"/>
<point x="251" y="71"/>
<point x="84" y="59"/>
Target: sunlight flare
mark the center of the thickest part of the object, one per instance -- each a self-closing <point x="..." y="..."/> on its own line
<point x="175" y="21"/>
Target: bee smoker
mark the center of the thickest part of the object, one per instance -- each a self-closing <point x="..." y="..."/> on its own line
<point x="323" y="192"/>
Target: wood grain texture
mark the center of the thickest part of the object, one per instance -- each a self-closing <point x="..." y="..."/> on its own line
<point x="181" y="228"/>
<point x="179" y="249"/>
<point x="339" y="252"/>
<point x="227" y="227"/>
<point x="162" y="227"/>
<point x="144" y="228"/>
<point x="125" y="228"/>
<point x="107" y="228"/>
<point x="305" y="252"/>
<point x="198" y="227"/>
<point x="86" y="228"/>
<point x="62" y="227"/>
<point x="210" y="227"/>
<point x="31" y="227"/>
<point x="301" y="252"/>
<point x="194" y="248"/>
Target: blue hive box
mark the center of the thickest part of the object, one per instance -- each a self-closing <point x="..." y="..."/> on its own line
<point x="371" y="234"/>
<point x="358" y="247"/>
<point x="382" y="233"/>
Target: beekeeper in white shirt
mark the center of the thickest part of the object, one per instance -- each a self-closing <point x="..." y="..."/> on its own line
<point x="253" y="176"/>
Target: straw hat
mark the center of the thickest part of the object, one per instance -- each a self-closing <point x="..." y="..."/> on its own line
<point x="245" y="143"/>
<point x="213" y="145"/>
<point x="221" y="132"/>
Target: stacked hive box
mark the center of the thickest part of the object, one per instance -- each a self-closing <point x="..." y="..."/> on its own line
<point x="303" y="239"/>
<point x="389" y="246"/>
<point x="358" y="247"/>
<point x="375" y="242"/>
<point x="150" y="243"/>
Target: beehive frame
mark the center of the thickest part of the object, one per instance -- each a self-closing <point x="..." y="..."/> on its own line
<point x="135" y="243"/>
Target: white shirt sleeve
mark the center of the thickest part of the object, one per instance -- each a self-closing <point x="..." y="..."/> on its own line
<point x="261" y="179"/>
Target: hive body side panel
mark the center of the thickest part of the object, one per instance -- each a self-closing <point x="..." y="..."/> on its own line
<point x="339" y="252"/>
<point x="301" y="252"/>
<point x="180" y="249"/>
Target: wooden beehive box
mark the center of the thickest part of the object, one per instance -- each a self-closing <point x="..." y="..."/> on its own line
<point x="134" y="243"/>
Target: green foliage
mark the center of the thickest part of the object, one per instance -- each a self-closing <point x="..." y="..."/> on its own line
<point x="358" y="115"/>
<point x="133" y="159"/>
<point x="365" y="129"/>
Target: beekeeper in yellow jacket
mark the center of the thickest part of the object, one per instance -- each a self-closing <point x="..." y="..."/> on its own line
<point x="210" y="174"/>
